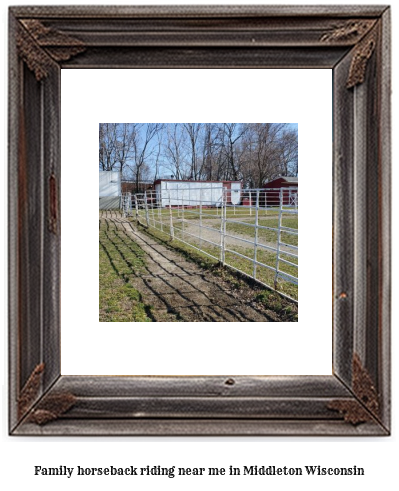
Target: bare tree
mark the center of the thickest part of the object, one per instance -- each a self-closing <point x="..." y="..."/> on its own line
<point x="251" y="152"/>
<point x="232" y="134"/>
<point x="142" y="149"/>
<point x="271" y="150"/>
<point x="126" y="135"/>
<point x="289" y="152"/>
<point x="107" y="146"/>
<point x="193" y="131"/>
<point x="175" y="150"/>
<point x="158" y="154"/>
<point x="115" y="145"/>
<point x="211" y="151"/>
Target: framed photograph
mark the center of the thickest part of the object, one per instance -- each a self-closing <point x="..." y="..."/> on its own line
<point x="352" y="45"/>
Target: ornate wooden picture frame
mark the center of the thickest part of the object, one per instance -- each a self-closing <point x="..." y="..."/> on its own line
<point x="352" y="41"/>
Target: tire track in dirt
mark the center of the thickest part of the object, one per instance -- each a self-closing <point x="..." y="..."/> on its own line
<point x="179" y="290"/>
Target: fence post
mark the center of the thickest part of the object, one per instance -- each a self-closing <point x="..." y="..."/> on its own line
<point x="127" y="204"/>
<point x="152" y="210"/>
<point x="172" y="231"/>
<point x="157" y="204"/>
<point x="182" y="214"/>
<point x="279" y="238"/>
<point x="223" y="228"/>
<point x="136" y="205"/>
<point x="200" y="220"/>
<point x="256" y="233"/>
<point x="122" y="205"/>
<point x="147" y="219"/>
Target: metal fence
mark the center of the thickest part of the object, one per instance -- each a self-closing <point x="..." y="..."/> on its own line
<point x="257" y="237"/>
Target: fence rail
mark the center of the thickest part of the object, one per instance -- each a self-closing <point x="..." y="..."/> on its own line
<point x="257" y="237"/>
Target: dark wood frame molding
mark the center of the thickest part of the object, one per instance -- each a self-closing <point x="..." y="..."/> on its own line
<point x="352" y="41"/>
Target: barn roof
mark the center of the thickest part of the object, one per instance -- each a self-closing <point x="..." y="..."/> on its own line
<point x="285" y="178"/>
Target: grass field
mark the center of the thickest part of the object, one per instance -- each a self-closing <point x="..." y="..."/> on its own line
<point x="119" y="300"/>
<point x="265" y="234"/>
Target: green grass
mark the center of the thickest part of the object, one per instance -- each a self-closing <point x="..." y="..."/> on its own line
<point x="273" y="301"/>
<point x="266" y="235"/>
<point x="264" y="274"/>
<point x="193" y="213"/>
<point x="119" y="301"/>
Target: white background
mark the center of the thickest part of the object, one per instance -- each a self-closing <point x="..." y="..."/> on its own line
<point x="300" y="96"/>
<point x="377" y="455"/>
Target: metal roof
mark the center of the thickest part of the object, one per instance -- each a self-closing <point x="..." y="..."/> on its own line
<point x="286" y="179"/>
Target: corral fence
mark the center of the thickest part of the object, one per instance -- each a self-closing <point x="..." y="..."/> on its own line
<point x="255" y="233"/>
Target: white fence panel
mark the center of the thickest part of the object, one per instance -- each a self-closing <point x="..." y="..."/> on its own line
<point x="257" y="236"/>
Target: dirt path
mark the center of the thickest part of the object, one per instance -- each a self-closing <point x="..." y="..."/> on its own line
<point x="179" y="290"/>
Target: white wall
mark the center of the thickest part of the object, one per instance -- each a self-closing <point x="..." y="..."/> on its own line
<point x="191" y="193"/>
<point x="110" y="183"/>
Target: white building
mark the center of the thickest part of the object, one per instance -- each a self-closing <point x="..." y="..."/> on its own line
<point x="110" y="183"/>
<point x="192" y="193"/>
<point x="110" y="189"/>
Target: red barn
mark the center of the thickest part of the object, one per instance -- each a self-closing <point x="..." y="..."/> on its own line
<point x="290" y="193"/>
